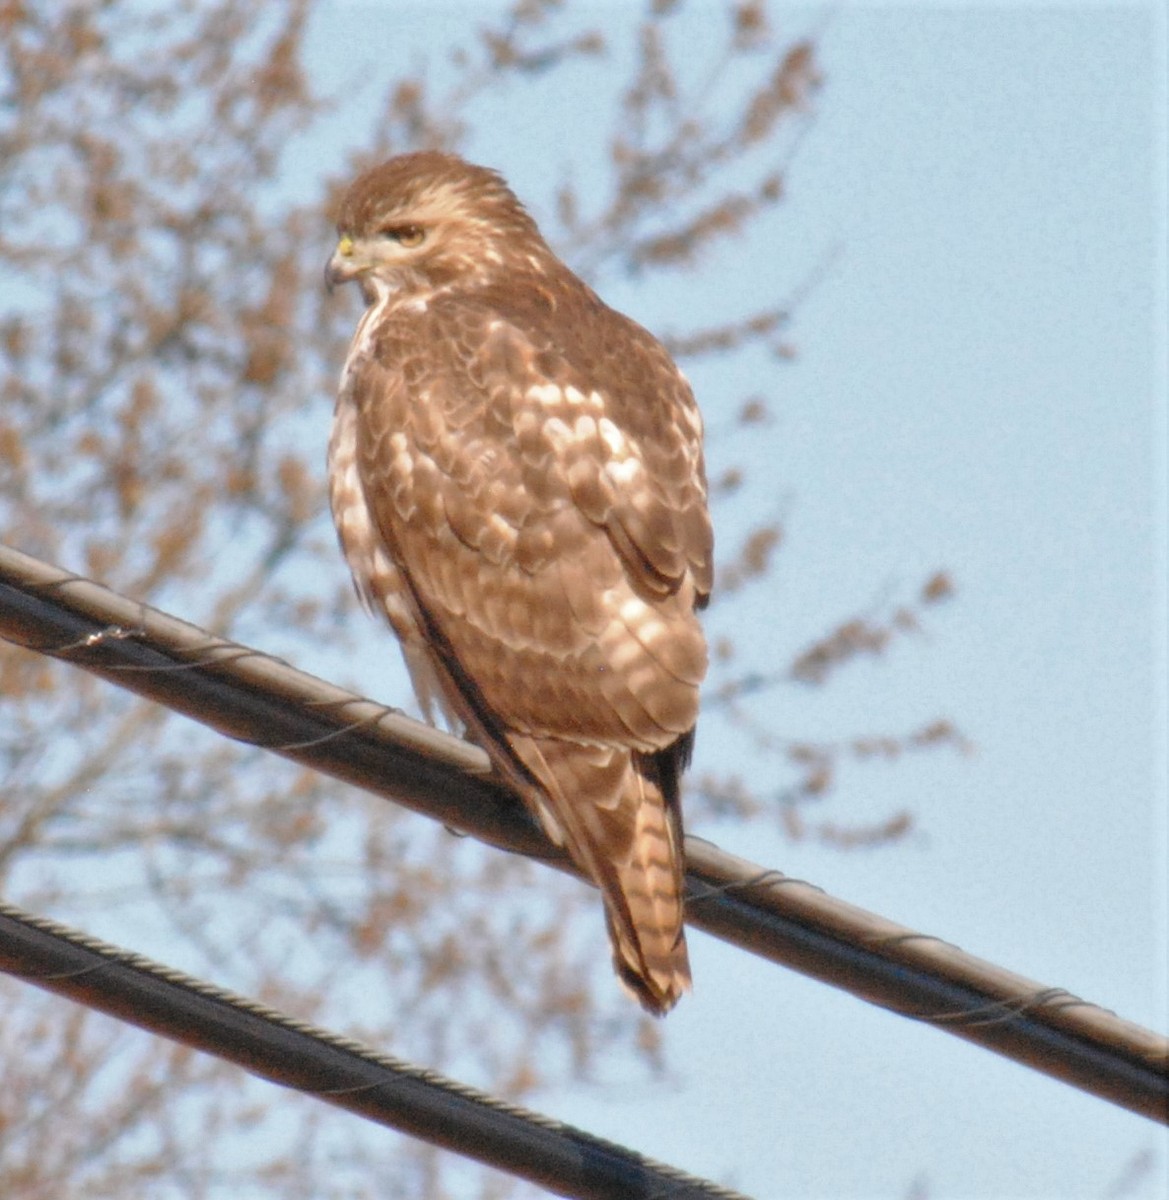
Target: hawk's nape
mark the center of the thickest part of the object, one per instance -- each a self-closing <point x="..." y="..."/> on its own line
<point x="516" y="474"/>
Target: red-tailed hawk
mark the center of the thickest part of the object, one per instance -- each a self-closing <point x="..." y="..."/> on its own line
<point x="517" y="479"/>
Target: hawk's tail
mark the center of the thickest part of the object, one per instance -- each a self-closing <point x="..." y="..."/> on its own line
<point x="617" y="814"/>
<point x="645" y="915"/>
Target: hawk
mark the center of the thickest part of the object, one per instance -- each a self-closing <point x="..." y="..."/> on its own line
<point x="516" y="475"/>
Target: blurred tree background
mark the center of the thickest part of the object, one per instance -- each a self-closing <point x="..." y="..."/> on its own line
<point x="167" y="365"/>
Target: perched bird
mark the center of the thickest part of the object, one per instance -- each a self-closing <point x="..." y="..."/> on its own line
<point x="516" y="475"/>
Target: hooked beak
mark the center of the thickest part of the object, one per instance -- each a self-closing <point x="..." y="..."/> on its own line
<point x="342" y="267"/>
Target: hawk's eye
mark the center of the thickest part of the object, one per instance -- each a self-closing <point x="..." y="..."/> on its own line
<point x="405" y="235"/>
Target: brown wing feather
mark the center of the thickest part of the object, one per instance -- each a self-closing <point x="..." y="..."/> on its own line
<point x="558" y="331"/>
<point x="528" y="588"/>
<point x="547" y="514"/>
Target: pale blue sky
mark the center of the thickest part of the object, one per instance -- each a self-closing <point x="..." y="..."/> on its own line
<point x="980" y="386"/>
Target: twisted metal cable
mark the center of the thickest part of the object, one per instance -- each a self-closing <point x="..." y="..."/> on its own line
<point x="260" y="700"/>
<point x="338" y="1070"/>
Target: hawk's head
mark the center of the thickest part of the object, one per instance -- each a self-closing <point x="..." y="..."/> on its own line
<point x="426" y="220"/>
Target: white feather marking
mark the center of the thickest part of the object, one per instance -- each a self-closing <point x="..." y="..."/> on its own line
<point x="613" y="438"/>
<point x="558" y="432"/>
<point x="546" y="393"/>
<point x="642" y="620"/>
<point x="623" y="473"/>
<point x="585" y="428"/>
<point x="577" y="399"/>
<point x="632" y="610"/>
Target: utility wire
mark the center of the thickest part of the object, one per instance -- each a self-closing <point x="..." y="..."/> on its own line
<point x="262" y="701"/>
<point x="564" y="1160"/>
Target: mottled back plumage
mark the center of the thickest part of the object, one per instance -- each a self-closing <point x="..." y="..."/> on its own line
<point x="517" y="479"/>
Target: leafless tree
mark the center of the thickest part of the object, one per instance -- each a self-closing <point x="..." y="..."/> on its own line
<point x="167" y="361"/>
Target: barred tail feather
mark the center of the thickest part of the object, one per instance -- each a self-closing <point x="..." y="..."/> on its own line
<point x="616" y="813"/>
<point x="645" y="916"/>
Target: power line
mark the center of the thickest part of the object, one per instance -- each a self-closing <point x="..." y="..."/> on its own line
<point x="420" y="1102"/>
<point x="260" y="700"/>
